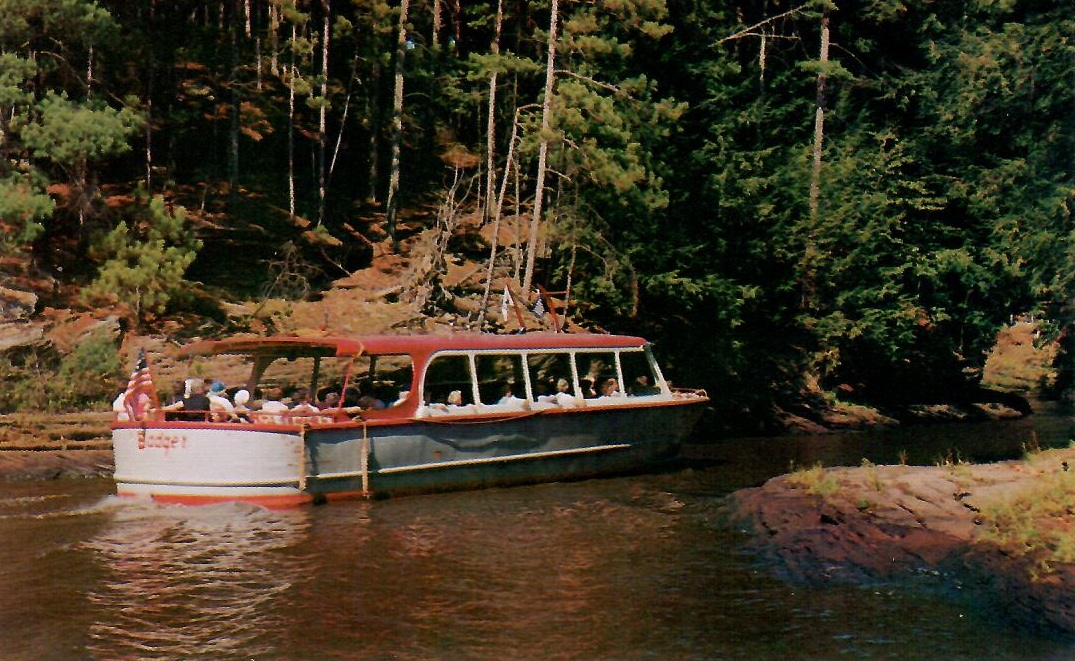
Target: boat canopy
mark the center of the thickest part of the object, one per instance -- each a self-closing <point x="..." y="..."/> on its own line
<point x="291" y="347"/>
<point x="415" y="345"/>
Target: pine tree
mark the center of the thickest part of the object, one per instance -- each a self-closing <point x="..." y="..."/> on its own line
<point x="52" y="127"/>
<point x="143" y="262"/>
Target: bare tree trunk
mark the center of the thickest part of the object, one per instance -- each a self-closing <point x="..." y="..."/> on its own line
<point x="89" y="73"/>
<point x="322" y="128"/>
<point x="570" y="279"/>
<point x="457" y="20"/>
<point x="543" y="150"/>
<point x="496" y="223"/>
<point x="810" y="249"/>
<point x="490" y="134"/>
<point x="151" y="75"/>
<point x="397" y="122"/>
<point x="291" y="126"/>
<point x="819" y="120"/>
<point x="373" y="152"/>
<point x="343" y="117"/>
<point x="274" y="26"/>
<point x="761" y="58"/>
<point x="236" y="106"/>
<point x="437" y="24"/>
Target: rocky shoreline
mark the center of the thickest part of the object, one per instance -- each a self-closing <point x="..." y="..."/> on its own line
<point x="888" y="522"/>
<point x="42" y="447"/>
<point x="54" y="464"/>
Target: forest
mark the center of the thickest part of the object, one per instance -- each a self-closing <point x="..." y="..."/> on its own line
<point x="786" y="196"/>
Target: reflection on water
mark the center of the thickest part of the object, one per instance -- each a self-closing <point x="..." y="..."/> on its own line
<point x="643" y="567"/>
<point x="182" y="583"/>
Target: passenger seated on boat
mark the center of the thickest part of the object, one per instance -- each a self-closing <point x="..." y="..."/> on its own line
<point x="242" y="411"/>
<point x="510" y="400"/>
<point x="642" y="387"/>
<point x="194" y="406"/>
<point x="271" y="407"/>
<point x="562" y="397"/>
<point x="331" y="400"/>
<point x="368" y="399"/>
<point x="453" y="406"/>
<point x="302" y="402"/>
<point x="610" y="388"/>
<point x="222" y="409"/>
<point x="354" y="401"/>
<point x="118" y="408"/>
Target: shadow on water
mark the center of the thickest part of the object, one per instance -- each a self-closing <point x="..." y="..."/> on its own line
<point x="749" y="462"/>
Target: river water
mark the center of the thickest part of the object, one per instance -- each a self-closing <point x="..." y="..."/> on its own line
<point x="643" y="567"/>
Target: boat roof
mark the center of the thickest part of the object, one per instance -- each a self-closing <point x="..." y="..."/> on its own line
<point x="295" y="346"/>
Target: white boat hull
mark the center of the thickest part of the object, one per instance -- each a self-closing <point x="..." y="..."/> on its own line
<point x="208" y="463"/>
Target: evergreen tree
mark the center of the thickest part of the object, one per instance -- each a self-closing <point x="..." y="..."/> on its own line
<point x="52" y="127"/>
<point x="143" y="262"/>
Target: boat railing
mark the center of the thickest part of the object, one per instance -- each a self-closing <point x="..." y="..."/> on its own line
<point x="689" y="393"/>
<point x="296" y="417"/>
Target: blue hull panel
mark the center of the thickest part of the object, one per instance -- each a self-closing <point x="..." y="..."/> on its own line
<point x="440" y="454"/>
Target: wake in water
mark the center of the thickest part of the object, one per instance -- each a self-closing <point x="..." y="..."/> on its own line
<point x="197" y="582"/>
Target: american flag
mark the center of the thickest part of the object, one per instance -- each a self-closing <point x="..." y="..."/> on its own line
<point x="140" y="391"/>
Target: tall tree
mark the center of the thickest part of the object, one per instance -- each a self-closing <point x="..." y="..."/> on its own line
<point x="543" y="148"/>
<point x="397" y="121"/>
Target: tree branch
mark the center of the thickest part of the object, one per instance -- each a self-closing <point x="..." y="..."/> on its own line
<point x="747" y="31"/>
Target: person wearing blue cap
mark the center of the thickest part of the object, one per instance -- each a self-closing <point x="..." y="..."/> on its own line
<point x="222" y="409"/>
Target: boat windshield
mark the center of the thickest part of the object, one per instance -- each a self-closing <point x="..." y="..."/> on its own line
<point x="380" y="381"/>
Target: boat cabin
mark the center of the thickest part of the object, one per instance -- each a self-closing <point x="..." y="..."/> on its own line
<point x="432" y="375"/>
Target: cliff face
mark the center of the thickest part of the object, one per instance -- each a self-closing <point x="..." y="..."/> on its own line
<point x="871" y="522"/>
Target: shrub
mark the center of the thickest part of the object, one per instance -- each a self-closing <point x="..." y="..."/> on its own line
<point x="88" y="376"/>
<point x="815" y="480"/>
<point x="1035" y="523"/>
<point x="42" y="380"/>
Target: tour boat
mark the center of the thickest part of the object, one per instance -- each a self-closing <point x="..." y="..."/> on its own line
<point x="417" y="413"/>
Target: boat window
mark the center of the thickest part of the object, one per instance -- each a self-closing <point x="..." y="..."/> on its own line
<point x="639" y="377"/>
<point x="389" y="378"/>
<point x="500" y="376"/>
<point x="545" y="370"/>
<point x="595" y="369"/>
<point x="445" y="374"/>
<point x="318" y="377"/>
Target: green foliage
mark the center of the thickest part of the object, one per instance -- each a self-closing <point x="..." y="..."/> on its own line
<point x="24" y="206"/>
<point x="816" y="480"/>
<point x="68" y="132"/>
<point x="142" y="263"/>
<point x="51" y="128"/>
<point x="679" y="162"/>
<point x="87" y="377"/>
<point x="43" y="380"/>
<point x="1033" y="524"/>
<point x="26" y="379"/>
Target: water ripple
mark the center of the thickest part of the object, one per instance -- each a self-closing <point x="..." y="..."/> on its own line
<point x="194" y="582"/>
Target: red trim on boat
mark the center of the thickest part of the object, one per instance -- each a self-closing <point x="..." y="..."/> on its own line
<point x="416" y="345"/>
<point x="269" y="502"/>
